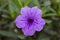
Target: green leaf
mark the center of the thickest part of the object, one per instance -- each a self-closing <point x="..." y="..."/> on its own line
<point x="58" y="9"/>
<point x="43" y="36"/>
<point x="8" y="34"/>
<point x="27" y="2"/>
<point x="4" y="5"/>
<point x="58" y="1"/>
<point x="16" y="3"/>
<point x="20" y="2"/>
<point x="47" y="3"/>
<point x="36" y="3"/>
<point x="13" y="9"/>
<point x="21" y="36"/>
<point x="49" y="29"/>
<point x="51" y="9"/>
<point x="49" y="14"/>
<point x="48" y="21"/>
<point x="11" y="34"/>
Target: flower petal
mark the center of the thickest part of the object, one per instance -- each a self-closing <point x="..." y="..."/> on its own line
<point x="28" y="31"/>
<point x="25" y="11"/>
<point x="20" y="21"/>
<point x="39" y="24"/>
<point x="36" y="11"/>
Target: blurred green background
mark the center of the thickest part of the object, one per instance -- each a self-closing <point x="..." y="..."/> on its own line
<point x="10" y="9"/>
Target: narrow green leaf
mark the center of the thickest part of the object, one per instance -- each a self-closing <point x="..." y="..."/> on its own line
<point x="36" y="3"/>
<point x="49" y="14"/>
<point x="11" y="34"/>
<point x="13" y="9"/>
<point x="21" y="36"/>
<point x="48" y="21"/>
<point x="27" y="2"/>
<point x="8" y="34"/>
<point x="58" y="10"/>
<point x="20" y="2"/>
<point x="51" y="9"/>
<point x="43" y="36"/>
<point x="16" y="3"/>
<point x="1" y="7"/>
<point x="47" y="3"/>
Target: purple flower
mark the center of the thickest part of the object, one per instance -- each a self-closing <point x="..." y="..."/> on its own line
<point x="30" y="20"/>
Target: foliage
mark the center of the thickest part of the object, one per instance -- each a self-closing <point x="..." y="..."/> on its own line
<point x="9" y="9"/>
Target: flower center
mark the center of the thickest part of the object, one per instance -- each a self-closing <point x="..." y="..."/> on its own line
<point x="30" y="21"/>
